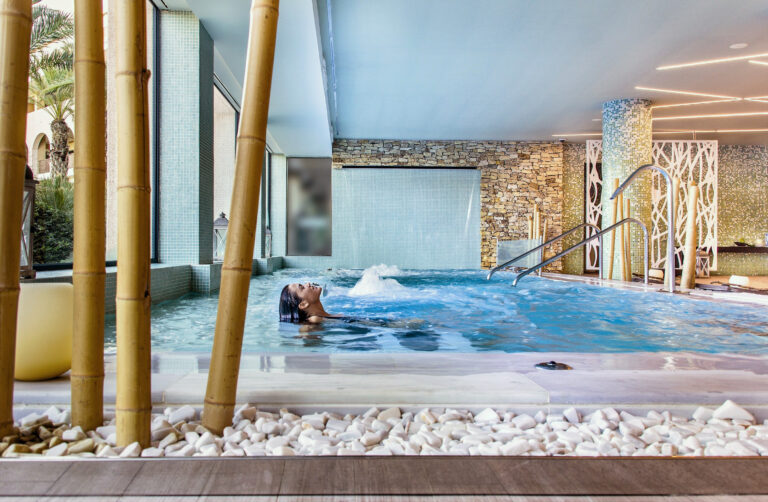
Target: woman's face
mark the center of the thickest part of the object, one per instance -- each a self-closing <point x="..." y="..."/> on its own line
<point x="306" y="292"/>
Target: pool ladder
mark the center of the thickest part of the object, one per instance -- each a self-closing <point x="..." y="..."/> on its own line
<point x="598" y="235"/>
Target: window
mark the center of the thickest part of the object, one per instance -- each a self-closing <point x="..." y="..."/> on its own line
<point x="309" y="206"/>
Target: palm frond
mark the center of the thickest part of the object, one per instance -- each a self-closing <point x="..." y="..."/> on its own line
<point x="53" y="89"/>
<point x="62" y="57"/>
<point x="49" y="26"/>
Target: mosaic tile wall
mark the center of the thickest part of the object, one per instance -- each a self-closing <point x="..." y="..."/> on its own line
<point x="742" y="183"/>
<point x="186" y="145"/>
<point x="514" y="176"/>
<point x="574" y="156"/>
<point x="627" y="144"/>
<point x="412" y="218"/>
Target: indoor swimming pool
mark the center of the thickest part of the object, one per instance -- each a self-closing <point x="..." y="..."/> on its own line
<point x="389" y="310"/>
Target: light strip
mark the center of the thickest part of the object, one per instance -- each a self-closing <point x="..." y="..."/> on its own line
<point x="710" y="131"/>
<point x="687" y="93"/>
<point x="711" y="61"/>
<point x="764" y="63"/>
<point x="758" y="99"/>
<point x="577" y="134"/>
<point x="711" y="116"/>
<point x="697" y="103"/>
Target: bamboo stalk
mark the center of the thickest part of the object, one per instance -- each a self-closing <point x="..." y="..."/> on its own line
<point x="627" y="243"/>
<point x="133" y="404"/>
<point x="88" y="269"/>
<point x="622" y="242"/>
<point x="612" y="248"/>
<point x="544" y="232"/>
<point x="15" y="26"/>
<point x="688" y="279"/>
<point x="530" y="227"/>
<point x="221" y="391"/>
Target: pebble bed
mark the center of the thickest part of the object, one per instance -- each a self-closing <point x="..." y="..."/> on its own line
<point x="729" y="430"/>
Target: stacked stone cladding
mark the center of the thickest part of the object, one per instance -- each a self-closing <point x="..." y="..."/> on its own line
<point x="515" y="175"/>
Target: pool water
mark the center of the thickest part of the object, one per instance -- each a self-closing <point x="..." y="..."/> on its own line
<point x="459" y="311"/>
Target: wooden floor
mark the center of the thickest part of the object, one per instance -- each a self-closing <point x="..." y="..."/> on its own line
<point x="406" y="498"/>
<point x="394" y="478"/>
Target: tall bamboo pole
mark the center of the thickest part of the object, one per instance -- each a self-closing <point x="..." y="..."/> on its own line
<point x="530" y="227"/>
<point x="612" y="248"/>
<point x="238" y="257"/>
<point x="133" y="404"/>
<point x="688" y="279"/>
<point x="627" y="242"/>
<point x="15" y="26"/>
<point x="622" y="242"/>
<point x="88" y="270"/>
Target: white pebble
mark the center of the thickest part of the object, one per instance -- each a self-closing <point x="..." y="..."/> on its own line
<point x="185" y="414"/>
<point x="131" y="451"/>
<point x="732" y="411"/>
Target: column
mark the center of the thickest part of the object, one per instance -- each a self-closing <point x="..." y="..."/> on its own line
<point x="185" y="150"/>
<point x="627" y="145"/>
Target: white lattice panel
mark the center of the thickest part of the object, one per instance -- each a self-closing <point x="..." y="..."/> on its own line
<point x="688" y="161"/>
<point x="592" y="206"/>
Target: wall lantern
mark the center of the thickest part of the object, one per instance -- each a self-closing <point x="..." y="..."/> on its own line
<point x="28" y="209"/>
<point x="220" y="237"/>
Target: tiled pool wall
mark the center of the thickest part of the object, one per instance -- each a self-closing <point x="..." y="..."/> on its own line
<point x="513" y="176"/>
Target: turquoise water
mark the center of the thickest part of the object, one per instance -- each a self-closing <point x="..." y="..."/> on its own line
<point x="459" y="311"/>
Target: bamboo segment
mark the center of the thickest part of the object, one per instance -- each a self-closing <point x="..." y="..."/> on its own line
<point x="612" y="248"/>
<point x="238" y="257"/>
<point x="133" y="404"/>
<point x="622" y="242"/>
<point x="88" y="270"/>
<point x="530" y="227"/>
<point x="688" y="280"/>
<point x="675" y="199"/>
<point x="627" y="242"/>
<point x="15" y="26"/>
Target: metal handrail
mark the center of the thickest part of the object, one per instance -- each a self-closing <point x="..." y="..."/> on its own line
<point x="554" y="239"/>
<point x="670" y="273"/>
<point x="584" y="242"/>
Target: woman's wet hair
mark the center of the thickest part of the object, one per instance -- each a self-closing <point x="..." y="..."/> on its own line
<point x="289" y="307"/>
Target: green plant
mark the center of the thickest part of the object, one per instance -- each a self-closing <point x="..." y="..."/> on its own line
<point x="52" y="230"/>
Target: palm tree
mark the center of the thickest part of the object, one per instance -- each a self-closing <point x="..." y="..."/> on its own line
<point x="51" y="42"/>
<point x="53" y="90"/>
<point x="51" y="75"/>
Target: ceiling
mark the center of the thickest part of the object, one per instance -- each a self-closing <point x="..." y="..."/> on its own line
<point x="298" y="113"/>
<point x="493" y="69"/>
<point x="515" y="69"/>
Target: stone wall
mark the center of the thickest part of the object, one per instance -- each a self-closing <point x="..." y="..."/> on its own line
<point x="514" y="176"/>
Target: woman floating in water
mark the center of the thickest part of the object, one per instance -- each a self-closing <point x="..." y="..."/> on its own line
<point x="300" y="303"/>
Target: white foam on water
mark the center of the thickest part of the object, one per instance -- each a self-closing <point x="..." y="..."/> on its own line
<point x="373" y="284"/>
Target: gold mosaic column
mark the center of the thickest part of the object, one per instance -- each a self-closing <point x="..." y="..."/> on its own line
<point x="627" y="145"/>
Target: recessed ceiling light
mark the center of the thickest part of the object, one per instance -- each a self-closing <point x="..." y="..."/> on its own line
<point x="711" y="131"/>
<point x="687" y="93"/>
<point x="711" y="116"/>
<point x="711" y="61"/>
<point x="740" y="45"/>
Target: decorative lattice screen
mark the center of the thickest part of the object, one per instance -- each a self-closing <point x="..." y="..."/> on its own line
<point x="687" y="160"/>
<point x="592" y="194"/>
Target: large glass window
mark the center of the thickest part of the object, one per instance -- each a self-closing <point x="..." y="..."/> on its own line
<point x="51" y="135"/>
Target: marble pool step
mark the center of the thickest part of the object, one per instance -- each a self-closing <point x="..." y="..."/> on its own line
<point x="655" y="381"/>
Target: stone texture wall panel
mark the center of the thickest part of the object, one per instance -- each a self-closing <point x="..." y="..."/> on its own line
<point x="514" y="176"/>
